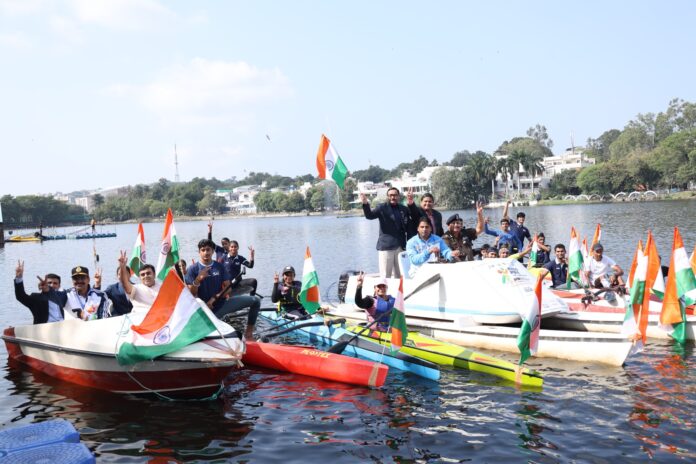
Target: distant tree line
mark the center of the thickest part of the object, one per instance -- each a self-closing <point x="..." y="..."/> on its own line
<point x="34" y="210"/>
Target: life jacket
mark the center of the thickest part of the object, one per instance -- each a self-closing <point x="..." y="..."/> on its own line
<point x="379" y="307"/>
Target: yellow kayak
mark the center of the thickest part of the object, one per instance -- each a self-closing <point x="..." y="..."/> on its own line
<point x="23" y="238"/>
<point x="449" y="354"/>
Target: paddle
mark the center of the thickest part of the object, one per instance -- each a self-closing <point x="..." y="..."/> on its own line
<point x="266" y="337"/>
<point x="224" y="290"/>
<point x="339" y="347"/>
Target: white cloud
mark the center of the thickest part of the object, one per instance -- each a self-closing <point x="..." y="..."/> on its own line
<point x="209" y="92"/>
<point x="21" y="7"/>
<point x="121" y="14"/>
<point x="16" y="41"/>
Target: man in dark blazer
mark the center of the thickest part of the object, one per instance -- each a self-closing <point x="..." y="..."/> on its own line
<point x="394" y="219"/>
<point x="426" y="210"/>
<point x="43" y="308"/>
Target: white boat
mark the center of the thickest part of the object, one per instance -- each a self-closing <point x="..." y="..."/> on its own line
<point x="85" y="353"/>
<point x="601" y="314"/>
<point x="491" y="291"/>
<point x="580" y="346"/>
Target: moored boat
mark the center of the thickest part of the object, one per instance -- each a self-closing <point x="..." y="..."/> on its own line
<point x="450" y="354"/>
<point x="491" y="291"/>
<point x="312" y="362"/>
<point x="84" y="353"/>
<point x="331" y="335"/>
<point x="594" y="347"/>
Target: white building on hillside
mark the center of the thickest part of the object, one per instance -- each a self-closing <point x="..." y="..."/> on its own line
<point x="572" y="158"/>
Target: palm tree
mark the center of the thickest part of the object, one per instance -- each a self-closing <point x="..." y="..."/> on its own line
<point x="532" y="165"/>
<point x="502" y="168"/>
<point x="515" y="161"/>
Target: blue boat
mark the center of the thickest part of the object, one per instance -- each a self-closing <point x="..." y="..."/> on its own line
<point x="359" y="347"/>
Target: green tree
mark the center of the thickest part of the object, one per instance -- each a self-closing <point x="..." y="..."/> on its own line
<point x="564" y="183"/>
<point x="374" y="174"/>
<point x="295" y="202"/>
<point x="452" y="187"/>
<point x="540" y="135"/>
<point x="346" y="195"/>
<point x="599" y="148"/>
<point x="461" y="158"/>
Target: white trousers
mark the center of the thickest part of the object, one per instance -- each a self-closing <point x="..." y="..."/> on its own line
<point x="389" y="263"/>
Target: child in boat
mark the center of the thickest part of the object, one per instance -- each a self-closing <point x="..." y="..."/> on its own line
<point x="378" y="306"/>
<point x="286" y="293"/>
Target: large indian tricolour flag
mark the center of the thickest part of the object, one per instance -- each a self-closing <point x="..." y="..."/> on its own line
<point x="397" y="320"/>
<point x="138" y="256"/>
<point x="309" y="294"/>
<point x="636" y="277"/>
<point x="175" y="320"/>
<point x="680" y="281"/>
<point x="169" y="250"/>
<point x="528" y="338"/>
<point x="329" y="164"/>
<point x="647" y="271"/>
<point x="575" y="260"/>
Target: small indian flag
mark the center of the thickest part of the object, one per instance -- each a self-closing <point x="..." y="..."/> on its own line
<point x="329" y="164"/>
<point x="309" y="294"/>
<point x="636" y="277"/>
<point x="585" y="250"/>
<point x="533" y="254"/>
<point x="575" y="260"/>
<point x="138" y="256"/>
<point x="174" y="321"/>
<point x="597" y="237"/>
<point x="397" y="320"/>
<point x="528" y="338"/>
<point x="680" y="281"/>
<point x="647" y="272"/>
<point x="169" y="250"/>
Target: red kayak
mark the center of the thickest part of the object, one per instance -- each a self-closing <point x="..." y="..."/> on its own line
<point x="307" y="360"/>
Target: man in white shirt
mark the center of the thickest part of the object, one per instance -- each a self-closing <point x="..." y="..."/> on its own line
<point x="598" y="268"/>
<point x="142" y="295"/>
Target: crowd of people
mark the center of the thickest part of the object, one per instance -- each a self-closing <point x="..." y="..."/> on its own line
<point x="216" y="278"/>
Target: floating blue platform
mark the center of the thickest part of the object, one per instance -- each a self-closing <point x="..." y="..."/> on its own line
<point x="53" y="441"/>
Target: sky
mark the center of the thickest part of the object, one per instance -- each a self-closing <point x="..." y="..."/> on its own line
<point x="96" y="93"/>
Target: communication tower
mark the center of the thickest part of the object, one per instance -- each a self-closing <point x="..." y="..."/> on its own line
<point x="176" y="165"/>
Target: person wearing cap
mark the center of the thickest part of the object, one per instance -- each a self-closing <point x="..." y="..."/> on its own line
<point x="85" y="302"/>
<point x="376" y="306"/>
<point x="426" y="209"/>
<point x="459" y="238"/>
<point x="42" y="308"/>
<point x="427" y="248"/>
<point x="286" y="293"/>
<point x="598" y="268"/>
<point x="394" y="219"/>
<point x="504" y="234"/>
<point x="517" y="228"/>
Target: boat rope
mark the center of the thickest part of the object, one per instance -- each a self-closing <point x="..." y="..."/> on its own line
<point x="162" y="396"/>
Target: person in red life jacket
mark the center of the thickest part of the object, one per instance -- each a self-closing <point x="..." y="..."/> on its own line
<point x="376" y="306"/>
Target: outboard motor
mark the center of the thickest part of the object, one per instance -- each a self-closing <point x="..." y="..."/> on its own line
<point x="343" y="284"/>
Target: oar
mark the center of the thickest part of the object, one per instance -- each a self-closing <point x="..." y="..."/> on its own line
<point x="340" y="346"/>
<point x="287" y="323"/>
<point x="219" y="294"/>
<point x="266" y="337"/>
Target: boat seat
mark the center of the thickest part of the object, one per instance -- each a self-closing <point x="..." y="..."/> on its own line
<point x="404" y="265"/>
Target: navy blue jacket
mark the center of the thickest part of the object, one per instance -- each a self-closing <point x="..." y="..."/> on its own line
<point x="393" y="225"/>
<point x="37" y="302"/>
<point x="117" y="295"/>
<point x="417" y="213"/>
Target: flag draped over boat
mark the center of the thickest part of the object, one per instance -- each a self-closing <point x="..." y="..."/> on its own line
<point x="533" y="254"/>
<point x="138" y="257"/>
<point x="169" y="250"/>
<point x="309" y="294"/>
<point x="575" y="260"/>
<point x="329" y="164"/>
<point x="528" y="338"/>
<point x="680" y="281"/>
<point x="175" y="320"/>
<point x="597" y="237"/>
<point x="397" y="320"/>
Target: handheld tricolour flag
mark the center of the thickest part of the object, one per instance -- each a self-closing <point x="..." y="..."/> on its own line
<point x="169" y="250"/>
<point x="309" y="294"/>
<point x="597" y="237"/>
<point x="329" y="164"/>
<point x="585" y="250"/>
<point x="138" y="257"/>
<point x="175" y="320"/>
<point x="534" y="253"/>
<point x="680" y="281"/>
<point x="528" y="339"/>
<point x="397" y="320"/>
<point x="575" y="261"/>
<point x="638" y="267"/>
<point x="647" y="271"/>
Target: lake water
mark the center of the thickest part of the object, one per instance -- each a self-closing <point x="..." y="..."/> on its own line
<point x="585" y="413"/>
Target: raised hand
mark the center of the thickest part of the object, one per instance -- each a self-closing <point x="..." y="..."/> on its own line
<point x="203" y="273"/>
<point x="210" y="226"/>
<point x="123" y="259"/>
<point x="43" y="285"/>
<point x="19" y="270"/>
<point x="479" y="207"/>
<point x="363" y="198"/>
<point x="276" y="278"/>
<point x="361" y="278"/>
<point x="251" y="252"/>
<point x="409" y="196"/>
